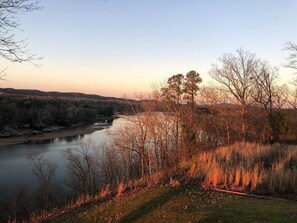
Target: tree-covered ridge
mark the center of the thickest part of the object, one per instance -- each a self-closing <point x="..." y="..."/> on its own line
<point x="55" y="94"/>
<point x="36" y="109"/>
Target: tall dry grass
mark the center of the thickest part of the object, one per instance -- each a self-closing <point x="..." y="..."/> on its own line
<point x="248" y="167"/>
<point x="106" y="192"/>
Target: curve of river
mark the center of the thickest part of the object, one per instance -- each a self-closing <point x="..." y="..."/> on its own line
<point x="16" y="169"/>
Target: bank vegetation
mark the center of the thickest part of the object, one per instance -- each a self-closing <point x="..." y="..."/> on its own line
<point x="239" y="134"/>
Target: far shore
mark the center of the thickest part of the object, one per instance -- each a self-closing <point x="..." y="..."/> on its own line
<point x="46" y="136"/>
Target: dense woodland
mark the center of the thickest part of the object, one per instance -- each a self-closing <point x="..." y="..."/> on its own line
<point x="33" y="110"/>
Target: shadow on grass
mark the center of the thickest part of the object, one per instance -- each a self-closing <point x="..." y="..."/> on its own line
<point x="150" y="206"/>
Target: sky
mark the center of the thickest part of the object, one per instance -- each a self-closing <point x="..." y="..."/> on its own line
<point x="122" y="47"/>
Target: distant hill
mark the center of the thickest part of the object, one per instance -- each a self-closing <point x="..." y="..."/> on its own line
<point x="55" y="94"/>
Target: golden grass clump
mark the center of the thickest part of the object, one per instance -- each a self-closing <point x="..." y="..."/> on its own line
<point x="248" y="167"/>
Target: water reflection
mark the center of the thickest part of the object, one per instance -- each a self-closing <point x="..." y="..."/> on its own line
<point x="68" y="139"/>
<point x="16" y="169"/>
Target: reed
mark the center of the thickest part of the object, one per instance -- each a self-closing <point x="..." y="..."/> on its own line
<point x="248" y="167"/>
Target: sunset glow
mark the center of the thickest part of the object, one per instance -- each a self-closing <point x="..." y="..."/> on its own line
<point x="121" y="47"/>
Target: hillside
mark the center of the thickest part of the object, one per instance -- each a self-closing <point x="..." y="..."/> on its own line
<point x="23" y="112"/>
<point x="55" y="94"/>
<point x="184" y="204"/>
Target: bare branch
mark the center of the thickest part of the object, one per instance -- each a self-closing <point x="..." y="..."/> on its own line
<point x="10" y="48"/>
<point x="292" y="58"/>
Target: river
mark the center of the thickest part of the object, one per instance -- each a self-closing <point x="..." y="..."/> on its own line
<point x="16" y="169"/>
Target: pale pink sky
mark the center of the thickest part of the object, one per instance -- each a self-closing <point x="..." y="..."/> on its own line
<point x="120" y="47"/>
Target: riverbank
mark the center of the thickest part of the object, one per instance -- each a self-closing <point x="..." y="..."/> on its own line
<point x="47" y="136"/>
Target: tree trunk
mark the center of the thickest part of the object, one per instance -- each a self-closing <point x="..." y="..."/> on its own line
<point x="244" y="127"/>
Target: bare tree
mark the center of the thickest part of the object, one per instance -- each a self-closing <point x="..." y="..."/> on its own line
<point x="291" y="98"/>
<point x="2" y="74"/>
<point x="236" y="74"/>
<point x="133" y="139"/>
<point x="82" y="166"/>
<point x="281" y="97"/>
<point x="45" y="171"/>
<point x="265" y="83"/>
<point x="10" y="48"/>
<point x="115" y="164"/>
<point x="264" y="94"/>
<point x="220" y="123"/>
<point x="144" y="145"/>
<point x="292" y="58"/>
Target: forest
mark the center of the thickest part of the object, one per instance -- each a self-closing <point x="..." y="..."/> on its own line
<point x="31" y="110"/>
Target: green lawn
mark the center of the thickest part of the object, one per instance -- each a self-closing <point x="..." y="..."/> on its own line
<point x="186" y="204"/>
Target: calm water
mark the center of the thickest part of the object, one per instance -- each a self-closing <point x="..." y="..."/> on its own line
<point x="16" y="169"/>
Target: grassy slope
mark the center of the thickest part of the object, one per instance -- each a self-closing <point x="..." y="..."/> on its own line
<point x="186" y="204"/>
